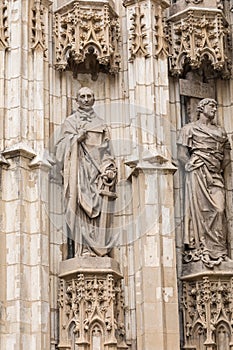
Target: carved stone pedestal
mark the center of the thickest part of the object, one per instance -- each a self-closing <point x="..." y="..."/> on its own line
<point x="208" y="306"/>
<point x="91" y="309"/>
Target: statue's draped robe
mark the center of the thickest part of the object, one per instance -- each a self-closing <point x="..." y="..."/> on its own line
<point x="82" y="163"/>
<point x="205" y="224"/>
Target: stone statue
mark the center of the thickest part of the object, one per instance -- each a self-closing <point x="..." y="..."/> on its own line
<point x="204" y="151"/>
<point x="89" y="172"/>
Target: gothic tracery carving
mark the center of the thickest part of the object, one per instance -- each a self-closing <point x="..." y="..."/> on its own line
<point x="87" y="34"/>
<point x="38" y="34"/>
<point x="138" y="36"/>
<point x="208" y="312"/>
<point x="90" y="308"/>
<point x="197" y="34"/>
<point x="160" y="36"/>
<point x="3" y="25"/>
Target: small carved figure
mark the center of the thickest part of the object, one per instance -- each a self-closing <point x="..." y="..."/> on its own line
<point x="204" y="151"/>
<point x="85" y="158"/>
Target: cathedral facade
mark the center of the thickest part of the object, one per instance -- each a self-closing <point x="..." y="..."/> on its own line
<point x="116" y="210"/>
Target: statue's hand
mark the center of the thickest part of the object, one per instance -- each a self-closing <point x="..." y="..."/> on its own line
<point x="82" y="135"/>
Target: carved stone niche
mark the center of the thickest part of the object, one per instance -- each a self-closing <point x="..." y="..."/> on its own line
<point x="207" y="304"/>
<point x="199" y="34"/>
<point x="86" y="35"/>
<point x="91" y="307"/>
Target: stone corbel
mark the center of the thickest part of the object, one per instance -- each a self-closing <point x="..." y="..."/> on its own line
<point x="197" y="34"/>
<point x="3" y="25"/>
<point x="207" y="308"/>
<point x="86" y="36"/>
<point x="91" y="307"/>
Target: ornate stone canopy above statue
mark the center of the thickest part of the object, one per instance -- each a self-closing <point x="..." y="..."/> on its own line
<point x="199" y="31"/>
<point x="86" y="38"/>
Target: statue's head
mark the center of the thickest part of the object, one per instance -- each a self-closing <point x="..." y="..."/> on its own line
<point x="207" y="106"/>
<point x="85" y="98"/>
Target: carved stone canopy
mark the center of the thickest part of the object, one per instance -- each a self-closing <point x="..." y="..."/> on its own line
<point x="198" y="34"/>
<point x="86" y="36"/>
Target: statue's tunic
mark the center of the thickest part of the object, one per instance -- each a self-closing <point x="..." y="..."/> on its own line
<point x="205" y="227"/>
<point x="83" y="160"/>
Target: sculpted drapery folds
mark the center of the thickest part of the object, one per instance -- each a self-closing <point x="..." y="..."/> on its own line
<point x="85" y="158"/>
<point x="204" y="151"/>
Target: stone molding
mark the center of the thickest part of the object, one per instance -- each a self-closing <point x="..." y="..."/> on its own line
<point x="86" y="36"/>
<point x="196" y="33"/>
<point x="23" y="150"/>
<point x="207" y="304"/>
<point x="3" y="25"/>
<point x="91" y="306"/>
<point x="19" y="149"/>
<point x="149" y="164"/>
<point x="163" y="3"/>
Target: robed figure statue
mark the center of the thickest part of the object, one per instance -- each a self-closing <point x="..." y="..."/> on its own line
<point x="204" y="151"/>
<point x="89" y="173"/>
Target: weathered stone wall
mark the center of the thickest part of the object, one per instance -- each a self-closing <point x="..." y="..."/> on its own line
<point x="143" y="108"/>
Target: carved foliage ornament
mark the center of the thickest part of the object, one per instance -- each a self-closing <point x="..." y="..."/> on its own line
<point x="83" y="31"/>
<point x="160" y="34"/>
<point x="38" y="20"/>
<point x="208" y="313"/>
<point x="91" y="312"/>
<point x="198" y="35"/>
<point x="138" y="36"/>
<point x="3" y="25"/>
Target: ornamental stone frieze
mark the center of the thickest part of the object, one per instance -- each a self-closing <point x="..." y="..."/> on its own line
<point x="197" y="34"/>
<point x="91" y="307"/>
<point x="207" y="304"/>
<point x="86" y="36"/>
<point x="3" y="25"/>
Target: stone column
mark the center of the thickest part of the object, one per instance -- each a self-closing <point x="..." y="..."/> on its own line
<point x="153" y="244"/>
<point x="24" y="264"/>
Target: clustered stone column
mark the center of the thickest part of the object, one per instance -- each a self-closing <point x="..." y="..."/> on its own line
<point x="24" y="237"/>
<point x="153" y="240"/>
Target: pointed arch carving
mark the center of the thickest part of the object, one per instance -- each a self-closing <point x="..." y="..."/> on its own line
<point x="91" y="303"/>
<point x="196" y="34"/>
<point x="86" y="37"/>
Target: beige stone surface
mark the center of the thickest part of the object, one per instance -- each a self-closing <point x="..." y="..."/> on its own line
<point x="143" y="107"/>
